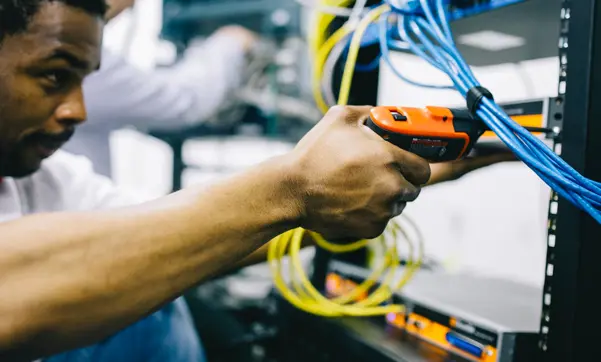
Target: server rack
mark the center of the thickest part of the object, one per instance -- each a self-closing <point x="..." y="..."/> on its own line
<point x="573" y="271"/>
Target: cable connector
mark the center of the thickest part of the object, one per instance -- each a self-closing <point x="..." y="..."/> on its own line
<point x="474" y="98"/>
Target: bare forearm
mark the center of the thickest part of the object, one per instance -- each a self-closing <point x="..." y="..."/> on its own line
<point x="71" y="279"/>
<point x="260" y="255"/>
<point x="440" y="173"/>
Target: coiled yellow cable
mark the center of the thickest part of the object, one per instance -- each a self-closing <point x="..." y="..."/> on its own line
<point x="303" y="295"/>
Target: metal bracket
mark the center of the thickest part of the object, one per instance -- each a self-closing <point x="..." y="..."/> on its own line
<point x="554" y="116"/>
<point x="555" y="121"/>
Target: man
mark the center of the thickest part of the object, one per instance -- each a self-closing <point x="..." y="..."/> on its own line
<point x="74" y="273"/>
<point x="188" y="93"/>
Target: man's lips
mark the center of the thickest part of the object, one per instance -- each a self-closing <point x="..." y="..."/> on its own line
<point x="46" y="144"/>
<point x="47" y="149"/>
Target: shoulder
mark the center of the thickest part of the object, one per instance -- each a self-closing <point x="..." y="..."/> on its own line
<point x="67" y="182"/>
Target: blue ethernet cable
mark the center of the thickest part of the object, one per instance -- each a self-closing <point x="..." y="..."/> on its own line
<point x="385" y="50"/>
<point x="567" y="182"/>
<point x="401" y="11"/>
<point x="371" y="66"/>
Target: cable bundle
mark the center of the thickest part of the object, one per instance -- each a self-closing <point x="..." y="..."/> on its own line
<point x="436" y="45"/>
<point x="366" y="299"/>
<point x="423" y="25"/>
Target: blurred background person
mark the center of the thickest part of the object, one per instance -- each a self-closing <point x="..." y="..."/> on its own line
<point x="121" y="94"/>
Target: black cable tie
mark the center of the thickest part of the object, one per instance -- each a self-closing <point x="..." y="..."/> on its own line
<point x="474" y="98"/>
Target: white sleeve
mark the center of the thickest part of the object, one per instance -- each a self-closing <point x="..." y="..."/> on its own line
<point x="67" y="182"/>
<point x="120" y="94"/>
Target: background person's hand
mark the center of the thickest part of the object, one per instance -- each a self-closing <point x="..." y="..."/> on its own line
<point x="246" y="37"/>
<point x="352" y="181"/>
<point x="449" y="171"/>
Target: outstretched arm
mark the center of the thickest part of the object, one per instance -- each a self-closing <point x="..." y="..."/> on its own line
<point x="70" y="279"/>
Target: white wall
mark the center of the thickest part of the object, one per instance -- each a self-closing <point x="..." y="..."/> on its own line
<point x="492" y="221"/>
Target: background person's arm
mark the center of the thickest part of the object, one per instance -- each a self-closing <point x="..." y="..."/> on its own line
<point x="450" y="171"/>
<point x="71" y="279"/>
<point x="183" y="95"/>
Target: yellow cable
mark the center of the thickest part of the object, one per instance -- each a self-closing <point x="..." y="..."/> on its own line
<point x="321" y="48"/>
<point x="333" y="304"/>
<point x="353" y="53"/>
<point x="317" y="304"/>
<point x="306" y="297"/>
<point x="320" y="305"/>
<point x="320" y="23"/>
<point x="320" y="60"/>
<point x="324" y="50"/>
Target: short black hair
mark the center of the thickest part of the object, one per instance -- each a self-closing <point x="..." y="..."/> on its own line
<point x="15" y="15"/>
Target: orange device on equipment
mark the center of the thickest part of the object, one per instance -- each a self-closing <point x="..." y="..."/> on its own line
<point x="436" y="134"/>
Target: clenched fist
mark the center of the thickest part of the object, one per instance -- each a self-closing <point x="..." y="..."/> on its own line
<point x="351" y="181"/>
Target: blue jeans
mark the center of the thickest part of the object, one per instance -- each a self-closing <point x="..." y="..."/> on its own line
<point x="166" y="336"/>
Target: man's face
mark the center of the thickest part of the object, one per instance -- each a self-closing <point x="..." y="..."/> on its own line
<point x="41" y="74"/>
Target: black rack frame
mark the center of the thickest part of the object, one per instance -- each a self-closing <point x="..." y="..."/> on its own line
<point x="569" y="313"/>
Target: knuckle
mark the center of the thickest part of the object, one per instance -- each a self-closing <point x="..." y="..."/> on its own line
<point x="423" y="172"/>
<point x="417" y="169"/>
<point x="361" y="160"/>
<point x="389" y="212"/>
<point x="352" y="161"/>
<point x="413" y="194"/>
<point x="409" y="193"/>
<point x="395" y="187"/>
<point x="346" y="114"/>
<point x="334" y="114"/>
<point x="339" y="111"/>
<point x="374" y="230"/>
<point x="351" y="115"/>
<point x="385" y="156"/>
<point x="427" y="173"/>
<point x="395" y="179"/>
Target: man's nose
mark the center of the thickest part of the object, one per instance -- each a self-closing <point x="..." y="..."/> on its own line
<point x="72" y="110"/>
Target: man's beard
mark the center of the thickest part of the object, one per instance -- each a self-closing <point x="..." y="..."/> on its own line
<point x="13" y="164"/>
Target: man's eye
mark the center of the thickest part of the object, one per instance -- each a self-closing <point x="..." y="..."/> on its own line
<point x="56" y="78"/>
